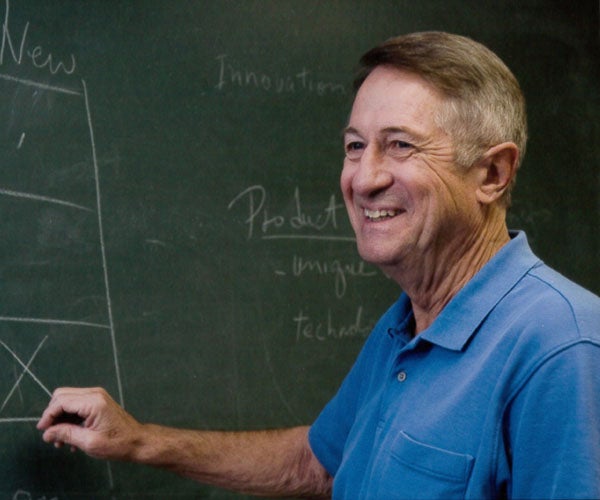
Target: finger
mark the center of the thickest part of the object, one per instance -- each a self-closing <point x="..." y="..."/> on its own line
<point x="54" y="414"/>
<point x="50" y="413"/>
<point x="65" y="401"/>
<point x="60" y="435"/>
<point x="76" y="438"/>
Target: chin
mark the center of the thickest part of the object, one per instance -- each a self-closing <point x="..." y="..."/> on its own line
<point x="376" y="256"/>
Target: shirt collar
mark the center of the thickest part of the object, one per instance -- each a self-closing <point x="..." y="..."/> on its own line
<point x="459" y="320"/>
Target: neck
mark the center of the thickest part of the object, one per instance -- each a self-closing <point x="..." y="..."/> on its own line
<point x="442" y="272"/>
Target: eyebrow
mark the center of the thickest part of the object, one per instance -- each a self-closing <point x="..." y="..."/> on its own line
<point x="385" y="131"/>
<point x="349" y="130"/>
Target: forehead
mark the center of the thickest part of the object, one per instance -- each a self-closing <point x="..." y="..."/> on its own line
<point x="390" y="97"/>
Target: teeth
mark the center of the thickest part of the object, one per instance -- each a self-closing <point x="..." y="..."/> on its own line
<point x="379" y="214"/>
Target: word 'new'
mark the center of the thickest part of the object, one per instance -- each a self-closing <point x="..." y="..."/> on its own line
<point x="36" y="55"/>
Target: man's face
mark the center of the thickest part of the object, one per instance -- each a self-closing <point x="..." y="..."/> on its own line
<point x="404" y="195"/>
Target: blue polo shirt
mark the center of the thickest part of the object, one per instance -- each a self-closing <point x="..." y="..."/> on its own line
<point x="498" y="398"/>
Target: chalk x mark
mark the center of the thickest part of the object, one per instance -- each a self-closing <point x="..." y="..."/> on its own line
<point x="47" y="199"/>
<point x="20" y="393"/>
<point x="25" y="370"/>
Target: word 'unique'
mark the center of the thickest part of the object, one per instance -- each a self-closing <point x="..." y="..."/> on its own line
<point x="340" y="271"/>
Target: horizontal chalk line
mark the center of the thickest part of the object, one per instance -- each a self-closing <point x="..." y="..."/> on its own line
<point x="37" y="197"/>
<point x="32" y="83"/>
<point x="50" y="321"/>
<point x="18" y="419"/>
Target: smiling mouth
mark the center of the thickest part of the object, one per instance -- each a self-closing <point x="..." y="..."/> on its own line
<point x="376" y="215"/>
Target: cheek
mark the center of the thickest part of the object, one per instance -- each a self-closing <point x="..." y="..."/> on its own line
<point x="346" y="183"/>
<point x="346" y="178"/>
<point x="444" y="207"/>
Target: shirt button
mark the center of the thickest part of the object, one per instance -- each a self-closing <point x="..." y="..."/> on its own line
<point x="401" y="376"/>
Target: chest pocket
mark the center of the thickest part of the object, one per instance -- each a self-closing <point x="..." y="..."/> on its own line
<point x="410" y="469"/>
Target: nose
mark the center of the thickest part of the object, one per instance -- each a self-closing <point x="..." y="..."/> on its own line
<point x="372" y="173"/>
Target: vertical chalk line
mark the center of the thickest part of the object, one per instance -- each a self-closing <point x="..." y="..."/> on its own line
<point x="111" y="481"/>
<point x="102" y="246"/>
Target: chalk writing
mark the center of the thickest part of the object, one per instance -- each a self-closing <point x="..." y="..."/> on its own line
<point x="309" y="329"/>
<point x="298" y="225"/>
<point x="15" y="50"/>
<point x="26" y="495"/>
<point x="36" y="55"/>
<point x="341" y="271"/>
<point x="230" y="76"/>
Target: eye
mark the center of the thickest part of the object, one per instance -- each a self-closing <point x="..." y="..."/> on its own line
<point x="400" y="149"/>
<point x="354" y="149"/>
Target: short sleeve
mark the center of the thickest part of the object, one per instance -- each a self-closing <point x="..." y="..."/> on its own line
<point x="326" y="438"/>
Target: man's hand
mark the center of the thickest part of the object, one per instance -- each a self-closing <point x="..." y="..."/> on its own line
<point x="105" y="429"/>
<point x="267" y="463"/>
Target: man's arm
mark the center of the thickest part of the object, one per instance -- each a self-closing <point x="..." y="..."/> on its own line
<point x="268" y="463"/>
<point x="554" y="427"/>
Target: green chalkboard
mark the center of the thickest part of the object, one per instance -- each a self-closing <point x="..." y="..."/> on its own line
<point x="172" y="227"/>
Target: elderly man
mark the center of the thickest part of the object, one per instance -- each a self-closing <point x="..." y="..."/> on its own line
<point x="482" y="380"/>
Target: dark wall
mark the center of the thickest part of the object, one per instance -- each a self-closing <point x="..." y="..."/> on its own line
<point x="172" y="227"/>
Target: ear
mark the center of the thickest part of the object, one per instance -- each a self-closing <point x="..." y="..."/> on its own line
<point x="497" y="168"/>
